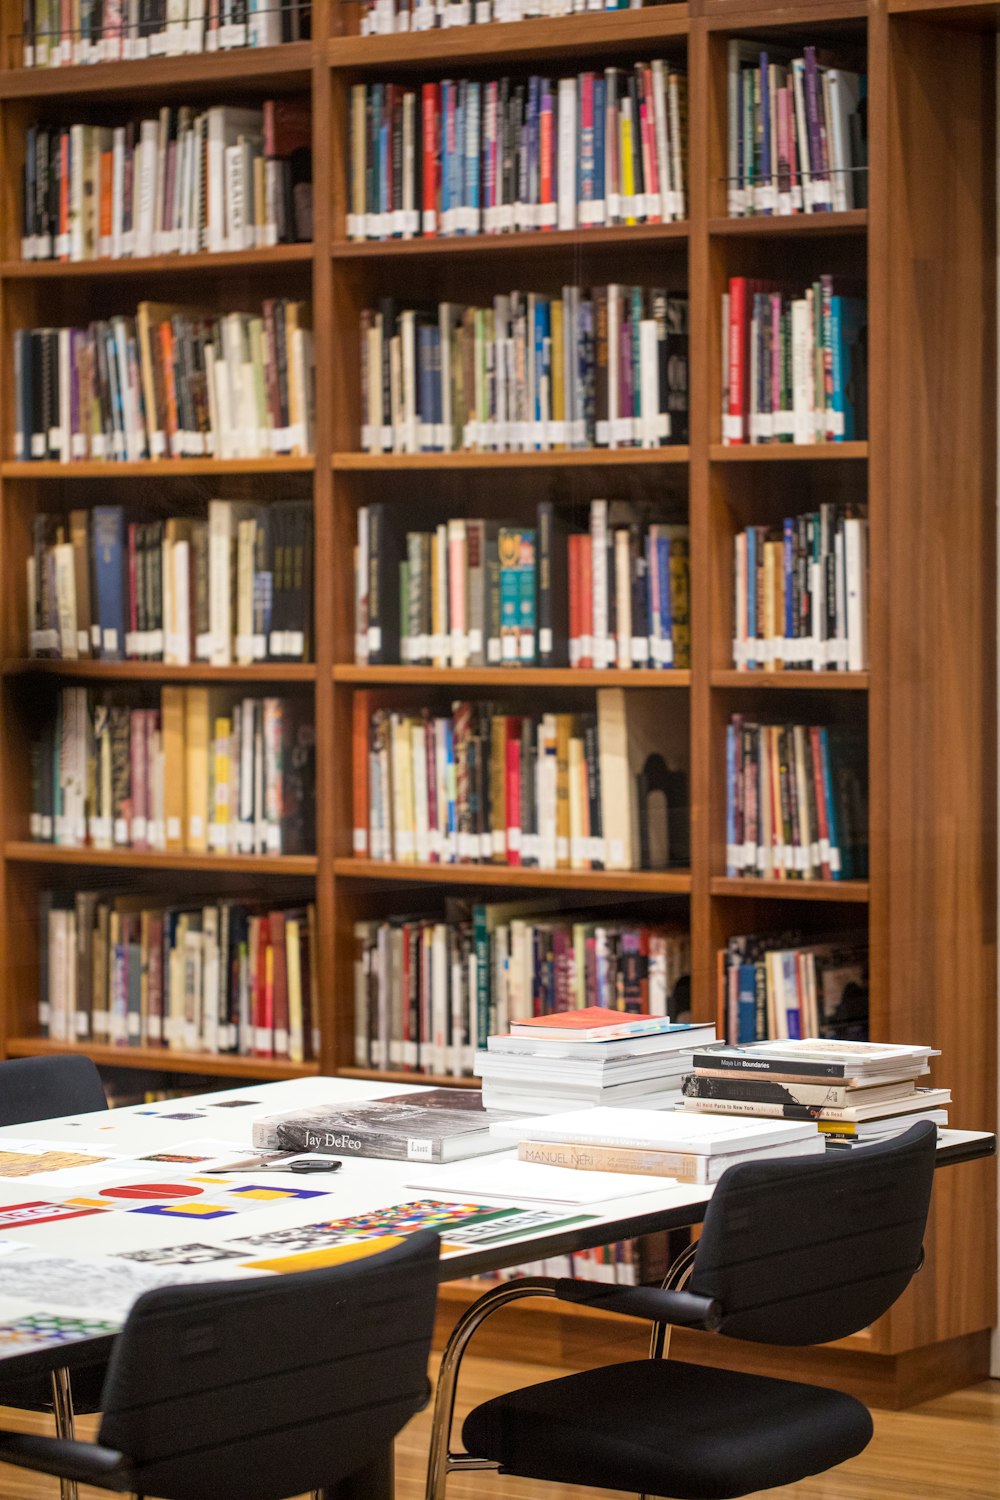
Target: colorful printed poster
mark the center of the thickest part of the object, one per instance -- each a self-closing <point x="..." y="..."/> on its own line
<point x="41" y="1330"/>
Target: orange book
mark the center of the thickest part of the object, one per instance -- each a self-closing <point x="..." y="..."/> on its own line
<point x="64" y="176"/>
<point x="104" y="228"/>
<point x="166" y="334"/>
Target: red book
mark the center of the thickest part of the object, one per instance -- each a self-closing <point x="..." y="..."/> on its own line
<point x="64" y="176"/>
<point x="431" y="102"/>
<point x="548" y="218"/>
<point x="739" y="329"/>
<point x="650" y="166"/>
<point x="586" y="602"/>
<point x="574" y="599"/>
<point x="279" y="987"/>
<point x="263" y="993"/>
<point x="594" y="1023"/>
<point x="513" y="797"/>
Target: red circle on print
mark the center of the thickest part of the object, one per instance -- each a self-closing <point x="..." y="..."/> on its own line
<point x="152" y="1190"/>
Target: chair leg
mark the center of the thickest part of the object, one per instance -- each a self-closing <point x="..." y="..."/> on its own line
<point x="62" y="1408"/>
<point x="441" y="1461"/>
<point x="678" y="1274"/>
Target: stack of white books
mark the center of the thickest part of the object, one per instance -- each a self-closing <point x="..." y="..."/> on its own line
<point x="659" y="1143"/>
<point x="590" y="1057"/>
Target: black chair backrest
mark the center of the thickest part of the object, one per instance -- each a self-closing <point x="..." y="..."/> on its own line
<point x="805" y="1251"/>
<point x="43" y="1088"/>
<point x="268" y="1387"/>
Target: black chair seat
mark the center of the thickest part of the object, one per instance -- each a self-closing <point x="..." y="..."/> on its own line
<point x="664" y="1428"/>
<point x="34" y="1392"/>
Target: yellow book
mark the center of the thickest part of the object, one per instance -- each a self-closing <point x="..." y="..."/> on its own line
<point x="222" y="817"/>
<point x="558" y="376"/>
<point x="196" y="720"/>
<point x="175" y="810"/>
<point x="579" y="807"/>
<point x="498" y="787"/>
<point x="564" y="730"/>
<point x="625" y="128"/>
<point x="293" y="960"/>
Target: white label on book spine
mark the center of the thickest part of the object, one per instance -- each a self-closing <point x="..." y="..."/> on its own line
<point x="121" y="831"/>
<point x="732" y="427"/>
<point x="417" y="1150"/>
<point x="110" y="640"/>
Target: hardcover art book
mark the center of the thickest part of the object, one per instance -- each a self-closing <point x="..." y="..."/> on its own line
<point x="437" y="1125"/>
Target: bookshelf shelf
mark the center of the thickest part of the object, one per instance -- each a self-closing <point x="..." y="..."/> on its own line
<point x="156" y="468"/>
<point x="23" y="851"/>
<point x="156" y="265"/>
<point x="162" y="1059"/>
<point x="834" y="891"/>
<point x="641" y="236"/>
<point x="639" y="882"/>
<point x="792" y="681"/>
<point x="785" y="453"/>
<point x="155" y="671"/>
<point x="575" y="458"/>
<point x="790" y="226"/>
<point x="230" y="72"/>
<point x="509" y="677"/>
<point x="567" y="36"/>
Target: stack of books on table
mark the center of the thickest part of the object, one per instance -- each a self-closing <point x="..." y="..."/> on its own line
<point x="584" y="1058"/>
<point x="656" y="1143"/>
<point x="856" y="1092"/>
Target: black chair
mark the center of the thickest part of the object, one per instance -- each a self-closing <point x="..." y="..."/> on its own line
<point x="260" y="1389"/>
<point x="791" y="1252"/>
<point x="43" y="1088"/>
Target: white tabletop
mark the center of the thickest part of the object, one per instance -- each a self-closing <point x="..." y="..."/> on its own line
<point x="125" y="1223"/>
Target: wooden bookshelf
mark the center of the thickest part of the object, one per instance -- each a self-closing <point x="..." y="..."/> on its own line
<point x="926" y="245"/>
<point x="165" y="1060"/>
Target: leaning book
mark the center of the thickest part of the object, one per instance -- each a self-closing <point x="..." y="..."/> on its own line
<point x="438" y="1125"/>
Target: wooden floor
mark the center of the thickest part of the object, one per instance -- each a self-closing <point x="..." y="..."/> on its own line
<point x="946" y="1450"/>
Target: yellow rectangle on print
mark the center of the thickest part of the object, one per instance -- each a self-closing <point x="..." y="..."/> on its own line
<point x="313" y="1260"/>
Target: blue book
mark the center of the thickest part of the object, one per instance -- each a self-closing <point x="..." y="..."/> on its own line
<point x="451" y="854"/>
<point x="425" y="388"/>
<point x="848" y="319"/>
<point x="790" y="986"/>
<point x="447" y="104"/>
<point x="666" y="606"/>
<point x="836" y="853"/>
<point x="534" y="153"/>
<point x="789" y="558"/>
<point x="109" y="579"/>
<point x="471" y="146"/>
<point x="509" y="543"/>
<point x="526" y="606"/>
<point x="540" y="334"/>
<point x="458" y="198"/>
<point x="746" y="1004"/>
<point x="600" y="97"/>
<point x="384" y="173"/>
<point x="765" y="145"/>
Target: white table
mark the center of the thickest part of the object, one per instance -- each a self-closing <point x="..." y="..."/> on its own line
<point x="36" y="1325"/>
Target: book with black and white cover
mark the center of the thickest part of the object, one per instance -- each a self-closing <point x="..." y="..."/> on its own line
<point x="651" y="1129"/>
<point x="566" y="1074"/>
<point x="917" y="1100"/>
<point x="435" y="1125"/>
<point x="813" y="1057"/>
<point x="818" y="1095"/>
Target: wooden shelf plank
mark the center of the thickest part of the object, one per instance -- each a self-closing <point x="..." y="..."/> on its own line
<point x="26" y="852"/>
<point x="659" y="882"/>
<point x="158" y="468"/>
<point x="157" y="671"/>
<point x="616" y="237"/>
<point x="792" y="680"/>
<point x="764" y="453"/>
<point x="773" y="226"/>
<point x="567" y="36"/>
<point x="509" y="677"/>
<point x="837" y="891"/>
<point x="574" y="458"/>
<point x="227" y="70"/>
<point x="431" y="1080"/>
<point x="161" y="1059"/>
<point x="173" y="265"/>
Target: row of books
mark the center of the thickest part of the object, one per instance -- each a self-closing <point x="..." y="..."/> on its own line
<point x="794" y="363"/>
<point x="774" y="987"/>
<point x="796" y="140"/>
<point x="222" y="977"/>
<point x="490" y="593"/>
<point x="175" y="183"/>
<point x="428" y="993"/>
<point x="389" y="17"/>
<point x="569" y="1060"/>
<point x="203" y="772"/>
<point x="170" y="382"/>
<point x="796" y="801"/>
<point x="64" y="33"/>
<point x="851" y="1093"/>
<point x="605" y="367"/>
<point x="235" y="586"/>
<point x="466" y="156"/>
<point x="484" y="785"/>
<point x="800" y="593"/>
